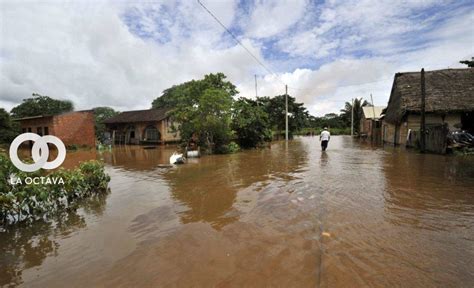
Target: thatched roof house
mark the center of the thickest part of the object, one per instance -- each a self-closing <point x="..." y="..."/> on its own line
<point x="447" y="91"/>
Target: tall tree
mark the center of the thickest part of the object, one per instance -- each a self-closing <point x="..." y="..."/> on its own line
<point x="202" y="108"/>
<point x="100" y="115"/>
<point x="346" y="112"/>
<point x="250" y="123"/>
<point x="41" y="105"/>
<point x="275" y="107"/>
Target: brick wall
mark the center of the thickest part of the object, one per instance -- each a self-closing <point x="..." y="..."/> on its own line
<point x="75" y="128"/>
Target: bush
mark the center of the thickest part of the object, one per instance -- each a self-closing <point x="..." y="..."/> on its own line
<point x="23" y="202"/>
<point x="230" y="148"/>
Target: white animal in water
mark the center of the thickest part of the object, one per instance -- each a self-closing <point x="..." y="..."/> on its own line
<point x="177" y="158"/>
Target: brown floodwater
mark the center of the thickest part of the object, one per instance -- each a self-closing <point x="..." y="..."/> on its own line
<point x="284" y="216"/>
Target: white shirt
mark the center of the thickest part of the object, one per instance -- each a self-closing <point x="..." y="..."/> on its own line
<point x="325" y="135"/>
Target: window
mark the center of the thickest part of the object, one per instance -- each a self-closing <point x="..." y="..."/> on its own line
<point x="23" y="130"/>
<point x="39" y="131"/>
<point x="29" y="129"/>
<point x="46" y="131"/>
<point x="152" y="134"/>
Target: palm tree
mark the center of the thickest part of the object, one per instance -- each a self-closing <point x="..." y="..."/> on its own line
<point x="346" y="112"/>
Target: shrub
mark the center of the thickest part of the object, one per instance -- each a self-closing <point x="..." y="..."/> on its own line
<point x="23" y="202"/>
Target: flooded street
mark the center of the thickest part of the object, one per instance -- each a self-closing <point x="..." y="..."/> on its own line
<point x="286" y="216"/>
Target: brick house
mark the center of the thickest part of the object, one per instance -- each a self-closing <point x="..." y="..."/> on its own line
<point x="449" y="102"/>
<point x="152" y="126"/>
<point x="73" y="128"/>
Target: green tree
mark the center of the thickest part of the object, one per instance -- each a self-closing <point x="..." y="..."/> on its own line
<point x="250" y="123"/>
<point x="346" y="112"/>
<point x="100" y="115"/>
<point x="202" y="108"/>
<point x="469" y="63"/>
<point x="8" y="129"/>
<point x="41" y="105"/>
<point x="275" y="108"/>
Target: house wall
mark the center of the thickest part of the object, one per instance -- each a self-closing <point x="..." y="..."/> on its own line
<point x="74" y="128"/>
<point x="388" y="132"/>
<point x="164" y="127"/>
<point x="38" y="125"/>
<point x="365" y="126"/>
<point x="412" y="121"/>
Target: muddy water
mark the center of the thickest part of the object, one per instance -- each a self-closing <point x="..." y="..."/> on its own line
<point x="288" y="216"/>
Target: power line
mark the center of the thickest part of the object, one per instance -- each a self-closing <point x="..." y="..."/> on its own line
<point x="239" y="42"/>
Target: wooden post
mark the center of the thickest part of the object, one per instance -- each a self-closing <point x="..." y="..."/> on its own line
<point x="286" y="112"/>
<point x="422" y="121"/>
<point x="373" y="120"/>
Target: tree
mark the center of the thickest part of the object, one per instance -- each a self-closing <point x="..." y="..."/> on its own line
<point x="8" y="129"/>
<point x="203" y="109"/>
<point x="275" y="108"/>
<point x="250" y="123"/>
<point x="100" y="115"/>
<point x="346" y="112"/>
<point x="41" y="105"/>
<point x="469" y="63"/>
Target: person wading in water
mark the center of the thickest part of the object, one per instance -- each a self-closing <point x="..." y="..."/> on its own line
<point x="324" y="138"/>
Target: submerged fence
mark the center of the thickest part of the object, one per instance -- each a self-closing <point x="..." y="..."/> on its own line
<point x="436" y="136"/>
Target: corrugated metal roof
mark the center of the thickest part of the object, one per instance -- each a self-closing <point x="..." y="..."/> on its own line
<point x="369" y="112"/>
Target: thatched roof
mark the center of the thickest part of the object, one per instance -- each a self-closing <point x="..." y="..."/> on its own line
<point x="369" y="112"/>
<point x="448" y="90"/>
<point x="149" y="115"/>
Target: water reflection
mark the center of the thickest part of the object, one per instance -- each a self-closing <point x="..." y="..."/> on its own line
<point x="429" y="190"/>
<point x="209" y="187"/>
<point x="27" y="245"/>
<point x="138" y="158"/>
<point x="256" y="218"/>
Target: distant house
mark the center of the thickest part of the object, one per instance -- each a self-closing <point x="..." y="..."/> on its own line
<point x="370" y="124"/>
<point x="449" y="102"/>
<point x="73" y="128"/>
<point x="151" y="126"/>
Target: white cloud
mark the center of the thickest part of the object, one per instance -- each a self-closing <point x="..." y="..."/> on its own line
<point x="270" y="17"/>
<point x="125" y="55"/>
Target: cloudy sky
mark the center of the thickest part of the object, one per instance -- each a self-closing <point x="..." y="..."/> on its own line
<point x="123" y="54"/>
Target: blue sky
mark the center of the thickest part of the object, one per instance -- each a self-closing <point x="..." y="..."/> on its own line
<point x="123" y="54"/>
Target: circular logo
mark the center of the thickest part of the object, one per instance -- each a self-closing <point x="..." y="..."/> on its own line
<point x="39" y="152"/>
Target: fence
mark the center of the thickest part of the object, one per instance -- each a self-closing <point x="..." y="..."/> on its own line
<point x="435" y="138"/>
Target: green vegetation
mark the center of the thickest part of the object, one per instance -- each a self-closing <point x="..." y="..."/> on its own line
<point x="346" y="112"/>
<point x="203" y="109"/>
<point x="100" y="115"/>
<point x="26" y="202"/>
<point x="250" y="122"/>
<point x="41" y="105"/>
<point x="8" y="128"/>
<point x="208" y="114"/>
<point x="275" y="108"/>
<point x="469" y="63"/>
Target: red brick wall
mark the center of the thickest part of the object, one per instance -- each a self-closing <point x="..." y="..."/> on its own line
<point x="75" y="128"/>
<point x="36" y="123"/>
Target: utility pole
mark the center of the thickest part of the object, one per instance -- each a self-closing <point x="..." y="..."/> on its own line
<point x="372" y="123"/>
<point x="352" y="118"/>
<point x="286" y="112"/>
<point x="256" y="94"/>
<point x="422" y="121"/>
